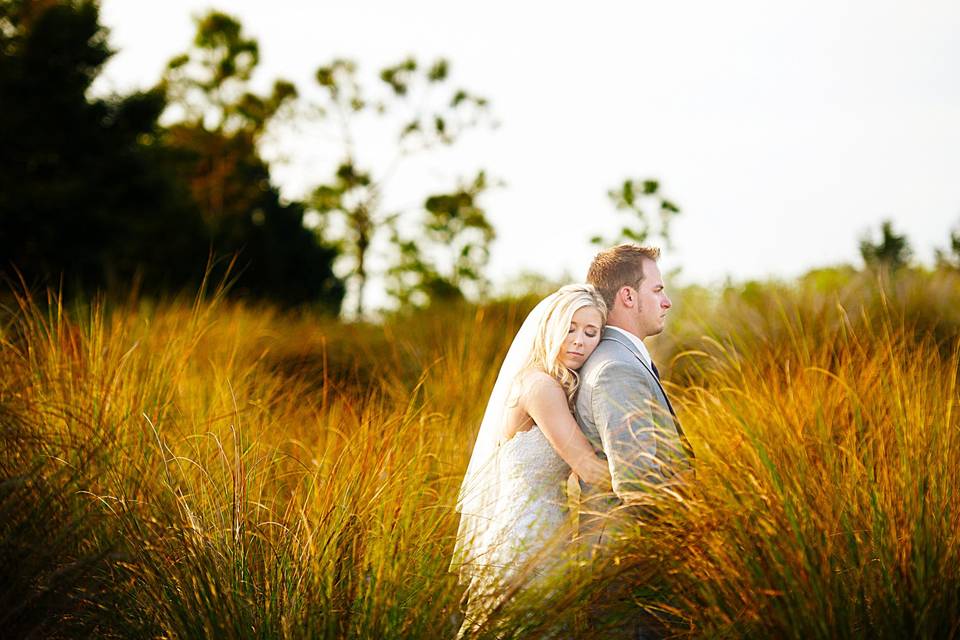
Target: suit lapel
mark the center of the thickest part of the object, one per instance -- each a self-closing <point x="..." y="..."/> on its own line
<point x="626" y="342"/>
<point x="613" y="335"/>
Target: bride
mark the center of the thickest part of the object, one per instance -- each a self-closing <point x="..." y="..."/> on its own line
<point x="512" y="501"/>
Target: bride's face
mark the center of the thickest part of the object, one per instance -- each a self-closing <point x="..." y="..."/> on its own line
<point x="582" y="337"/>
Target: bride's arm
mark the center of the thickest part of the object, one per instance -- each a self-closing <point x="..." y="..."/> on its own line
<point x="546" y="403"/>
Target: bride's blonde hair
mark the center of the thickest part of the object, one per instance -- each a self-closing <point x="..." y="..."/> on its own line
<point x="553" y="328"/>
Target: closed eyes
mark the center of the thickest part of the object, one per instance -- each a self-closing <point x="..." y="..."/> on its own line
<point x="590" y="332"/>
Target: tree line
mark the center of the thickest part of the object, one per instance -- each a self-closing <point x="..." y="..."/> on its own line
<point x="141" y="190"/>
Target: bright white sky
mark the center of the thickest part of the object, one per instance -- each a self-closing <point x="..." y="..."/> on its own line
<point x="784" y="131"/>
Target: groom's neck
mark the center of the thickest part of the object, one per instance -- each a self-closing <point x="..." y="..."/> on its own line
<point x="624" y="326"/>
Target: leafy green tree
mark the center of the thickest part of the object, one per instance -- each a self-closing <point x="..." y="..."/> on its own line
<point x="457" y="234"/>
<point x="423" y="112"/>
<point x="950" y="257"/>
<point x="650" y="213"/>
<point x="219" y="123"/>
<point x="891" y="252"/>
<point x="84" y="194"/>
<point x="208" y="86"/>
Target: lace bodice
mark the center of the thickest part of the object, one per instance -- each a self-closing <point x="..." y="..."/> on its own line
<point x="531" y="472"/>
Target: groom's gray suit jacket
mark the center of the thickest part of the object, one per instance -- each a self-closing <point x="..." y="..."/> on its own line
<point x="624" y="412"/>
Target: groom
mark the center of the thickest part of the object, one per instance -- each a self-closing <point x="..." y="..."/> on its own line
<point x="621" y="406"/>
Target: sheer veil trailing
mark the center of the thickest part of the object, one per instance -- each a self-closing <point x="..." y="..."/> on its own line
<point x="477" y="499"/>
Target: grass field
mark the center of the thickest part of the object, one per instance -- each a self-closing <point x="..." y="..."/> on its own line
<point x="202" y="468"/>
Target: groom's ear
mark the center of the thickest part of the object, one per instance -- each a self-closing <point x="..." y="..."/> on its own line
<point x="627" y="296"/>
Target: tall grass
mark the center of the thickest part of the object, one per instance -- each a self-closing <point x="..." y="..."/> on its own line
<point x="209" y="469"/>
<point x="826" y="503"/>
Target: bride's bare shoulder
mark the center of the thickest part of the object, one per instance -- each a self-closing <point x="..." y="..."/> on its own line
<point x="536" y="382"/>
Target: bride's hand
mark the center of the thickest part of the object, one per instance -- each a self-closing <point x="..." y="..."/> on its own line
<point x="595" y="472"/>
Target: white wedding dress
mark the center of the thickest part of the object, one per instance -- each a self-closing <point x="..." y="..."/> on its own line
<point x="514" y="526"/>
<point x="530" y="530"/>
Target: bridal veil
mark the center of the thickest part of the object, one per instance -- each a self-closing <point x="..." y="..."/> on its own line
<point x="480" y="489"/>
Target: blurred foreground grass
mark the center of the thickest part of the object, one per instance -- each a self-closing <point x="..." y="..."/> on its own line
<point x="207" y="469"/>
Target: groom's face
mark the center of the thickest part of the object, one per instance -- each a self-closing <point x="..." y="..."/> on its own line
<point x="652" y="301"/>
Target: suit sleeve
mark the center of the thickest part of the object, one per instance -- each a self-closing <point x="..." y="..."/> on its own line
<point x="627" y="421"/>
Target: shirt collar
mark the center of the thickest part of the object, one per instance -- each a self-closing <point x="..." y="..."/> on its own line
<point x="642" y="348"/>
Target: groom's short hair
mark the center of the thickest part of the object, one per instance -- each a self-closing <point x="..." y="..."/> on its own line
<point x="617" y="267"/>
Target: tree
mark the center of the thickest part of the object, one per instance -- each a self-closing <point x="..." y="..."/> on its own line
<point x="636" y="198"/>
<point x="458" y="226"/>
<point x="83" y="193"/>
<point x="422" y="112"/>
<point x="892" y="252"/>
<point x="950" y="257"/>
<point x="96" y="192"/>
<point x="457" y="234"/>
<point x="208" y="85"/>
<point x="219" y="123"/>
